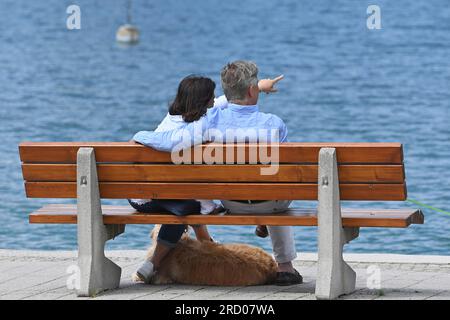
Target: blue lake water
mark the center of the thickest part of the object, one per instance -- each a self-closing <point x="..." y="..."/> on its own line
<point x="343" y="83"/>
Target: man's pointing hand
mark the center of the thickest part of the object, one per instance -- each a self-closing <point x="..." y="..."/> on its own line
<point x="267" y="85"/>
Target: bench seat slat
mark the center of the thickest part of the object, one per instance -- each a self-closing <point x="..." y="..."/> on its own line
<point x="237" y="191"/>
<point x="389" y="218"/>
<point x="293" y="152"/>
<point x="213" y="173"/>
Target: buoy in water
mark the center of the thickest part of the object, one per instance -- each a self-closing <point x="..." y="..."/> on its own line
<point x="127" y="34"/>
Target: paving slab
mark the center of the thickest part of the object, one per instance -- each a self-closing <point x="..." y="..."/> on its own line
<point x="37" y="275"/>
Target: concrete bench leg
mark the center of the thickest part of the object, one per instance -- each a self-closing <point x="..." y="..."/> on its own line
<point x="96" y="271"/>
<point x="335" y="277"/>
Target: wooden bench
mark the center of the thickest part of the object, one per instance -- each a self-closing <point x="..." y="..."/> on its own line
<point x="327" y="172"/>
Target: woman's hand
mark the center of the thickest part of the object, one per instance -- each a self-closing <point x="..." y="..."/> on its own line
<point x="267" y="85"/>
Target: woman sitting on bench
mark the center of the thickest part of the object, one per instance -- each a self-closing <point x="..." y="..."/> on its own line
<point x="195" y="95"/>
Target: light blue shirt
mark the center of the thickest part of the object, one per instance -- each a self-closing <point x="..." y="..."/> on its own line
<point x="225" y="122"/>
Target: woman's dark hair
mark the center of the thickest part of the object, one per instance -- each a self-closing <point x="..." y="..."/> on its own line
<point x="194" y="93"/>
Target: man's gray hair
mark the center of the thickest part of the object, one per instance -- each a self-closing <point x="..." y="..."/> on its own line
<point x="237" y="77"/>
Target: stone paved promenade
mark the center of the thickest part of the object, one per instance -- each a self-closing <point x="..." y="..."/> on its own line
<point x="42" y="275"/>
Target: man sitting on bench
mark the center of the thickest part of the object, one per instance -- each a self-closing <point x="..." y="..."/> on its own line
<point x="240" y="85"/>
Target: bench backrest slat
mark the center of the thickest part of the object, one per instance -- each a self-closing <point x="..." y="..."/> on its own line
<point x="306" y="173"/>
<point x="235" y="191"/>
<point x="66" y="152"/>
<point x="367" y="171"/>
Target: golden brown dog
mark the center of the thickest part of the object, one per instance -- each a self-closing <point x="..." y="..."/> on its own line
<point x="208" y="263"/>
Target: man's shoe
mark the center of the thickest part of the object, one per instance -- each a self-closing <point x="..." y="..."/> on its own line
<point x="288" y="278"/>
<point x="261" y="231"/>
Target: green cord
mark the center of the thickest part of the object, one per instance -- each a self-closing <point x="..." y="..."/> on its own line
<point x="429" y="207"/>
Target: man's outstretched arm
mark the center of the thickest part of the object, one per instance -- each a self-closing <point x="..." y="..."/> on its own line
<point x="178" y="139"/>
<point x="169" y="141"/>
<point x="155" y="140"/>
